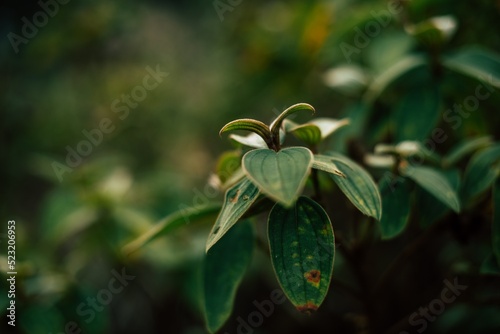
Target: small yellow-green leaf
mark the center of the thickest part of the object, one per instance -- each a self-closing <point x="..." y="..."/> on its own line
<point x="237" y="201"/>
<point x="308" y="133"/>
<point x="280" y="175"/>
<point x="224" y="267"/>
<point x="302" y="252"/>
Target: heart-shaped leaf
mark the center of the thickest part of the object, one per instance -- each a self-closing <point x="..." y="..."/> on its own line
<point x="249" y="125"/>
<point x="280" y="175"/>
<point x="435" y="183"/>
<point x="302" y="252"/>
<point x="395" y="206"/>
<point x="358" y="186"/>
<point x="276" y="125"/>
<point x="237" y="201"/>
<point x="224" y="267"/>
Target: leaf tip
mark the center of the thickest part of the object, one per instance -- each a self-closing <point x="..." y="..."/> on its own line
<point x="307" y="308"/>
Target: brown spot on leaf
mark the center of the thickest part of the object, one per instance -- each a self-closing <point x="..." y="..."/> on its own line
<point x="234" y="199"/>
<point x="307" y="308"/>
<point x="313" y="277"/>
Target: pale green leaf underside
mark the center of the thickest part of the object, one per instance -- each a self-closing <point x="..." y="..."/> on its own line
<point x="280" y="175"/>
<point x="435" y="183"/>
<point x="248" y="124"/>
<point x="237" y="201"/>
<point x="224" y="267"/>
<point x="328" y="126"/>
<point x="252" y="140"/>
<point x="326" y="164"/>
<point x="358" y="186"/>
<point x="302" y="252"/>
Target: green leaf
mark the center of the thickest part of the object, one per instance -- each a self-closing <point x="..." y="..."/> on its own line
<point x="280" y="175"/>
<point x="308" y="133"/>
<point x="428" y="209"/>
<point x="480" y="64"/>
<point x="252" y="140"/>
<point x="417" y="113"/>
<point x="250" y="125"/>
<point x="276" y="125"/>
<point x="465" y="148"/>
<point x="328" y="126"/>
<point x="237" y="201"/>
<point x="395" y="206"/>
<point x="495" y="230"/>
<point x="224" y="267"/>
<point x="400" y="68"/>
<point x="326" y="164"/>
<point x="358" y="186"/>
<point x="480" y="173"/>
<point x="173" y="221"/>
<point x="228" y="164"/>
<point x="490" y="266"/>
<point x="302" y="252"/>
<point x="435" y="183"/>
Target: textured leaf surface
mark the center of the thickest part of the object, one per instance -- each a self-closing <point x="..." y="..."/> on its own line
<point x="302" y="252"/>
<point x="248" y="124"/>
<point x="175" y="220"/>
<point x="435" y="183"/>
<point x="395" y="206"/>
<point x="358" y="186"/>
<point x="480" y="173"/>
<point x="224" y="267"/>
<point x="280" y="175"/>
<point x="237" y="201"/>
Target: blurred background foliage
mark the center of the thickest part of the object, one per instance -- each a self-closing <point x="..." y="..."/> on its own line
<point x="262" y="57"/>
